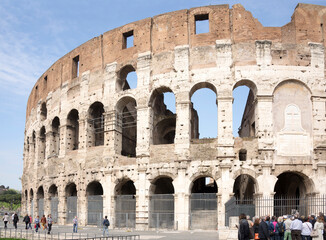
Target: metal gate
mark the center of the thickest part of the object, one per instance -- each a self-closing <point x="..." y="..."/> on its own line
<point x="203" y="213"/>
<point x="234" y="207"/>
<point x="125" y="211"/>
<point x="32" y="209"/>
<point x="71" y="208"/>
<point x="54" y="209"/>
<point x="40" y="205"/>
<point x="95" y="210"/>
<point x="161" y="211"/>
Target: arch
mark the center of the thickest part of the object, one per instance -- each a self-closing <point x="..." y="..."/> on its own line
<point x="26" y="195"/>
<point x="94" y="188"/>
<point x="40" y="192"/>
<point x="42" y="143"/>
<point x="40" y="201"/>
<point x="73" y="130"/>
<point x="31" y="194"/>
<point x="244" y="108"/>
<point x="96" y="122"/>
<point x="71" y="201"/>
<point x="125" y="187"/>
<point x="200" y="85"/>
<point x="162" y="185"/>
<point x="55" y="136"/>
<point x="43" y="111"/>
<point x="71" y="189"/>
<point x="203" y="184"/>
<point x="285" y="81"/>
<point x="127" y="121"/>
<point x="163" y="118"/>
<point x="125" y="83"/>
<point x="53" y="191"/>
<point x="203" y="97"/>
<point x="244" y="187"/>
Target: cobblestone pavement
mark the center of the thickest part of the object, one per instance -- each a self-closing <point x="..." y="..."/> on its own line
<point x="66" y="232"/>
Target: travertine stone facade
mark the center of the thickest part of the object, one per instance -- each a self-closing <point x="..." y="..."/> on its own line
<point x="88" y="134"/>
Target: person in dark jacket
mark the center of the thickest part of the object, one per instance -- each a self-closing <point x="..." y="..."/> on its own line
<point x="26" y="221"/>
<point x="15" y="220"/>
<point x="263" y="231"/>
<point x="256" y="228"/>
<point x="243" y="232"/>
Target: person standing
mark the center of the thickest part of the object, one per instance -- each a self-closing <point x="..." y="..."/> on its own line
<point x="16" y="220"/>
<point x="319" y="226"/>
<point x="279" y="229"/>
<point x="43" y="222"/>
<point x="106" y="224"/>
<point x="75" y="224"/>
<point x="296" y="228"/>
<point x="49" y="220"/>
<point x="306" y="229"/>
<point x="37" y="223"/>
<point x="5" y="219"/>
<point x="30" y="222"/>
<point x="263" y="229"/>
<point x="26" y="221"/>
<point x="256" y="228"/>
<point x="287" y="223"/>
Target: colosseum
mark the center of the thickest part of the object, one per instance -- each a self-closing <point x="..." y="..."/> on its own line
<point x="95" y="144"/>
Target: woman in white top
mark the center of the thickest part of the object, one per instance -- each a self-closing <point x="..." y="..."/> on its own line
<point x="5" y="219"/>
<point x="306" y="229"/>
<point x="319" y="226"/>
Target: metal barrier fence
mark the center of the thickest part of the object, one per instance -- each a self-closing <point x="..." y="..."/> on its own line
<point x="54" y="208"/>
<point x="71" y="208"/>
<point x="161" y="211"/>
<point x="277" y="206"/>
<point x="95" y="210"/>
<point x="26" y="234"/>
<point x="125" y="214"/>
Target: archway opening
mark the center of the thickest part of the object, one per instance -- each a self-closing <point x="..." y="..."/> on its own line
<point x="203" y="204"/>
<point x="127" y="122"/>
<point x="96" y="125"/>
<point x="54" y="202"/>
<point x="162" y="103"/>
<point x="127" y="78"/>
<point x="40" y="201"/>
<point x="26" y="201"/>
<point x="42" y="145"/>
<point x="55" y="136"/>
<point x="290" y="193"/>
<point x="94" y="192"/>
<point x="125" y="202"/>
<point x="203" y="111"/>
<point x="162" y="203"/>
<point x="71" y="202"/>
<point x="243" y="108"/>
<point x="244" y="188"/>
<point x="43" y="112"/>
<point x="73" y="130"/>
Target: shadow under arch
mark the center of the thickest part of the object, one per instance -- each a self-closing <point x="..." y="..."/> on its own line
<point x="94" y="193"/>
<point x="71" y="201"/>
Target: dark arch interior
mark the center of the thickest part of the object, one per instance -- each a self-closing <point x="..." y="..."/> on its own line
<point x="204" y="185"/>
<point x="31" y="194"/>
<point x="94" y="188"/>
<point x="290" y="184"/>
<point x="26" y="196"/>
<point x="163" y="186"/>
<point x="127" y="188"/>
<point x="44" y="111"/>
<point x="96" y="122"/>
<point x="40" y="193"/>
<point x="244" y="187"/>
<point x="71" y="190"/>
<point x="73" y="129"/>
<point x="53" y="191"/>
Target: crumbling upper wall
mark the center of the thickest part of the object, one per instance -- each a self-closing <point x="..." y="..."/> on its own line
<point x="161" y="34"/>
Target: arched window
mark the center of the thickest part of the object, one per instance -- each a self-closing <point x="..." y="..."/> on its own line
<point x="42" y="144"/>
<point x="96" y="124"/>
<point x="127" y="78"/>
<point x="73" y="130"/>
<point x="44" y="111"/>
<point x="55" y="136"/>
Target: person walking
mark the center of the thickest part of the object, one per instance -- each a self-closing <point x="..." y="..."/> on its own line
<point x="263" y="229"/>
<point x="43" y="222"/>
<point x="5" y="219"/>
<point x="306" y="229"/>
<point x="75" y="225"/>
<point x="37" y="223"/>
<point x="49" y="220"/>
<point x="296" y="227"/>
<point x="287" y="223"/>
<point x="319" y="226"/>
<point x="106" y="224"/>
<point x="30" y="222"/>
<point x="16" y="220"/>
<point x="26" y="221"/>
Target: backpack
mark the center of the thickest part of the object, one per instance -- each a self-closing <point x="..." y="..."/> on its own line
<point x="280" y="227"/>
<point x="106" y="222"/>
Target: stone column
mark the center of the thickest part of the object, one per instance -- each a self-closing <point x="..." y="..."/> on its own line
<point x="63" y="139"/>
<point x="82" y="138"/>
<point x="62" y="206"/>
<point x="319" y="120"/>
<point x="225" y="135"/>
<point x="31" y="155"/>
<point x="264" y="124"/>
<point x="142" y="198"/>
<point x="82" y="211"/>
<point x="181" y="200"/>
<point x="225" y="190"/>
<point x="143" y="130"/>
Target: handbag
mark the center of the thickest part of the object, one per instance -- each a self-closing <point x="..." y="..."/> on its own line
<point x="314" y="233"/>
<point x="256" y="236"/>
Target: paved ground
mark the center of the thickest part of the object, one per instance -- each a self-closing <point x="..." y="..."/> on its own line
<point x="144" y="235"/>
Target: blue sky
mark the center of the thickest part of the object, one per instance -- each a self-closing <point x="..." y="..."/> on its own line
<point x="34" y="34"/>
